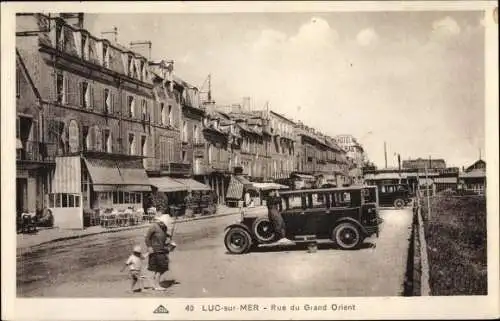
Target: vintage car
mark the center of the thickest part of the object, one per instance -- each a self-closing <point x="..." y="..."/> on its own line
<point x="397" y="195"/>
<point x="344" y="215"/>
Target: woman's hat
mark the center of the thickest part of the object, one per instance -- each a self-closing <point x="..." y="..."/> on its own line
<point x="137" y="249"/>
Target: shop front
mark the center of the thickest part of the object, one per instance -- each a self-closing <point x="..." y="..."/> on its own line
<point x="98" y="184"/>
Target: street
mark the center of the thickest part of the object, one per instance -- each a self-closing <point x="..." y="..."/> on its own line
<point x="200" y="266"/>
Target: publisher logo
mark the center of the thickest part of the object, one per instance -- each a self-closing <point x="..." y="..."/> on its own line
<point x="160" y="309"/>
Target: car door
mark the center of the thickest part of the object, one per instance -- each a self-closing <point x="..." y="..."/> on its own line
<point x="295" y="220"/>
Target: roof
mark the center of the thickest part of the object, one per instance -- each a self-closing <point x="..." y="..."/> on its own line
<point x="471" y="167"/>
<point x="384" y="176"/>
<point x="323" y="190"/>
<point x="477" y="173"/>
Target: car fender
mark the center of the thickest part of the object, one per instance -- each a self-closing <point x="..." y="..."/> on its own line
<point x="241" y="225"/>
<point x="353" y="221"/>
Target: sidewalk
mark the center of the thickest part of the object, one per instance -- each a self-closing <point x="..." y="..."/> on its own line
<point x="49" y="235"/>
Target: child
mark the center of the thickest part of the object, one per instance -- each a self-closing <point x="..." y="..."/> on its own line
<point x="134" y="264"/>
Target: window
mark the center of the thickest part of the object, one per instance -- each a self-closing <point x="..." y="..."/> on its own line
<point x="59" y="36"/>
<point x="169" y="116"/>
<point x="144" y="109"/>
<point x="184" y="132"/>
<point x="85" y="47"/>
<point x="195" y="134"/>
<point x="86" y="98"/>
<point x="126" y="198"/>
<point x="108" y="102"/>
<point x="184" y="156"/>
<point x="131" y="144"/>
<point x="131" y="106"/>
<point x="209" y="153"/>
<point x="98" y="139"/>
<point x="60" y="88"/>
<point x="105" y="55"/>
<point x="143" y="146"/>
<point x="163" y="114"/>
<point x="107" y="142"/>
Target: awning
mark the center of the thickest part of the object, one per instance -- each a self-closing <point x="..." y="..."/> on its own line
<point x="113" y="174"/>
<point x="193" y="185"/>
<point x="19" y="144"/>
<point x="167" y="184"/>
<point x="235" y="189"/>
<point x="445" y="180"/>
<point x="269" y="186"/>
<point x="246" y="183"/>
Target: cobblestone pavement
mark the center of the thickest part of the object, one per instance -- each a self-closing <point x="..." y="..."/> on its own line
<point x="200" y="267"/>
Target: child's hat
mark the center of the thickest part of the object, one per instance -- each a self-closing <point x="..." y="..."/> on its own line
<point x="137" y="249"/>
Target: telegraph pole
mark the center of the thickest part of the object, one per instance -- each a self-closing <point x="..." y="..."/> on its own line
<point x="385" y="154"/>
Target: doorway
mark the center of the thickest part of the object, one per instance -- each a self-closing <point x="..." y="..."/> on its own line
<point x="21" y="194"/>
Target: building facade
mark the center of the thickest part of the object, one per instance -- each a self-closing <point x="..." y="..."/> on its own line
<point x="355" y="154"/>
<point x="97" y="107"/>
<point x="281" y="149"/>
<point x="320" y="156"/>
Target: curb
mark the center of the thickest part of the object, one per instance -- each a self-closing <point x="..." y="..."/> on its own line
<point x="127" y="228"/>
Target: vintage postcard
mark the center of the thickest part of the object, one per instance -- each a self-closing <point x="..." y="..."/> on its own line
<point x="240" y="160"/>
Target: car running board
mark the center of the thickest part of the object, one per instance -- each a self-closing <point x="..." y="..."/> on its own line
<point x="305" y="238"/>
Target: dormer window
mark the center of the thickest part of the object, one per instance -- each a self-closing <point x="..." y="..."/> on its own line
<point x="105" y="55"/>
<point x="85" y="46"/>
<point x="59" y="36"/>
<point x="130" y="66"/>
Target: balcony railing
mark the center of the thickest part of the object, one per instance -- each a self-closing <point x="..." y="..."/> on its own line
<point x="34" y="151"/>
<point x="176" y="168"/>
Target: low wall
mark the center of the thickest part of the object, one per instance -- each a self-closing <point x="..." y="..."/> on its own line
<point x="417" y="270"/>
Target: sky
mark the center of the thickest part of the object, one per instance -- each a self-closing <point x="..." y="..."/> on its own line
<point x="412" y="79"/>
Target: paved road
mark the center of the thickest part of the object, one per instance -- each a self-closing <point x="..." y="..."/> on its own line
<point x="89" y="267"/>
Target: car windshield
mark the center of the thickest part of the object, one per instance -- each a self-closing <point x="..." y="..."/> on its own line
<point x="370" y="195"/>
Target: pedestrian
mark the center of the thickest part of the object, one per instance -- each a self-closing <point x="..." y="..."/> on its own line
<point x="159" y="244"/>
<point x="276" y="219"/>
<point x="134" y="264"/>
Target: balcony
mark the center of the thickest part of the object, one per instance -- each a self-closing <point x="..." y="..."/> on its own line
<point x="176" y="168"/>
<point x="34" y="152"/>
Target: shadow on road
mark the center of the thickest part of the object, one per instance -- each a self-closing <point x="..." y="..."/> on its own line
<point x="303" y="247"/>
<point x="169" y="283"/>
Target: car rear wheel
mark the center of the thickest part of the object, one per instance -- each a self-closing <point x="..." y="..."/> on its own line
<point x="237" y="240"/>
<point x="347" y="236"/>
<point x="263" y="230"/>
<point x="399" y="203"/>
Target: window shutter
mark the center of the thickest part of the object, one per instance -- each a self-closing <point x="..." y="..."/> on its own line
<point x="112" y="104"/>
<point x="82" y="95"/>
<point x="91" y="103"/>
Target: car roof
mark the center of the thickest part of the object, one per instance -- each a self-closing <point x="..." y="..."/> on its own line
<point x="324" y="190"/>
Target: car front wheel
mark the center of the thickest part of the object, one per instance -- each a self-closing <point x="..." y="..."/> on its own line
<point x="347" y="236"/>
<point x="237" y="240"/>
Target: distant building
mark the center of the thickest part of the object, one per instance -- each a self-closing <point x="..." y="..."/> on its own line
<point x="422" y="163"/>
<point x="474" y="178"/>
